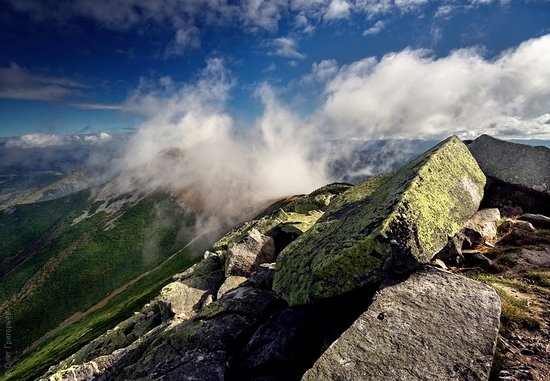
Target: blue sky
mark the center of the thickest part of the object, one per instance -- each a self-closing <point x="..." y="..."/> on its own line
<point x="352" y="69"/>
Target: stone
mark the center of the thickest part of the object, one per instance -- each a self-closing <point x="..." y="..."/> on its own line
<point x="432" y="326"/>
<point x="389" y="223"/>
<point x="183" y="299"/>
<point x="538" y="220"/>
<point x="246" y="301"/>
<point x="482" y="225"/>
<point x="209" y="366"/>
<point x="230" y="283"/>
<point x="539" y="259"/>
<point x="244" y="258"/>
<point x="518" y="164"/>
<point x="211" y="262"/>
<point x="297" y="223"/>
<point x="510" y="224"/>
<point x="263" y="277"/>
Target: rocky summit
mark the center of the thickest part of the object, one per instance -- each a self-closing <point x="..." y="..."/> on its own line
<point x="389" y="223"/>
<point x="418" y="274"/>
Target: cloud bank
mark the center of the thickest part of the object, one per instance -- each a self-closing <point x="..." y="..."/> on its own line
<point x="51" y="140"/>
<point x="412" y="93"/>
<point x="192" y="147"/>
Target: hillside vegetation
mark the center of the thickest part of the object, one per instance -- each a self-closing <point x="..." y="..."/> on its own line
<point x="73" y="267"/>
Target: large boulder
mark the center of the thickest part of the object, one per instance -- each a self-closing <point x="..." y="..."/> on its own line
<point x="393" y="222"/>
<point x="432" y="326"/>
<point x="512" y="163"/>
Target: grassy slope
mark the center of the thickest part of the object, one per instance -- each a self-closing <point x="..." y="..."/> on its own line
<point x="80" y="266"/>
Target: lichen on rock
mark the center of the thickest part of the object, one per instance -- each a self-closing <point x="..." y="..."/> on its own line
<point x="393" y="222"/>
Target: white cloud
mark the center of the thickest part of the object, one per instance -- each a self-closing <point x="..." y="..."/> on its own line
<point x="286" y="47"/>
<point x="270" y="68"/>
<point x="186" y="17"/>
<point x="227" y="172"/>
<point x="414" y="94"/>
<point x="337" y="9"/>
<point x="321" y="72"/>
<point x="444" y="10"/>
<point x="212" y="167"/>
<point x="51" y="140"/>
<point x="375" y="29"/>
<point x="16" y="82"/>
<point x="98" y="139"/>
<point x="185" y="39"/>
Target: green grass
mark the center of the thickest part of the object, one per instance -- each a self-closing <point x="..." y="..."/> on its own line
<point x="541" y="279"/>
<point x="29" y="222"/>
<point x="507" y="259"/>
<point x="514" y="310"/>
<point x="72" y="338"/>
<point x="81" y="265"/>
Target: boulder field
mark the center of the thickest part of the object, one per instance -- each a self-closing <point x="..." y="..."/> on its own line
<point x="346" y="283"/>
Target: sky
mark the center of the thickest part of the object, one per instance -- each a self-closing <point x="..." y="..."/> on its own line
<point x="230" y="104"/>
<point x="364" y="69"/>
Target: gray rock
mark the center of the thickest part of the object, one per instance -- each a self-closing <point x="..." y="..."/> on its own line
<point x="209" y="366"/>
<point x="538" y="220"/>
<point x="482" y="225"/>
<point x="393" y="222"/>
<point x="509" y="224"/>
<point x="512" y="163"/>
<point x="230" y="283"/>
<point x="263" y="277"/>
<point x="245" y="257"/>
<point x="185" y="298"/>
<point x="432" y="326"/>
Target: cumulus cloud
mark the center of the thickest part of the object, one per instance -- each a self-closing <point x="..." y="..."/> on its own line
<point x="17" y="82"/>
<point x="338" y="9"/>
<point x="375" y="29"/>
<point x="191" y="147"/>
<point x="321" y="72"/>
<point x="413" y="93"/>
<point x="286" y="47"/>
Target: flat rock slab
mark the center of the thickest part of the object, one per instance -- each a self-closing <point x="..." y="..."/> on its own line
<point x="513" y="163"/>
<point x="432" y="326"/>
<point x="393" y="222"/>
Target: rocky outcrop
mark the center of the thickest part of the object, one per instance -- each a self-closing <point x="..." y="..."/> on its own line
<point x="244" y="258"/>
<point x="432" y="326"/>
<point x="301" y="304"/>
<point x="517" y="164"/>
<point x="393" y="222"/>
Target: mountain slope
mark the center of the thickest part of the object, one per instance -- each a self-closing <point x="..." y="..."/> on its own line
<point x="84" y="264"/>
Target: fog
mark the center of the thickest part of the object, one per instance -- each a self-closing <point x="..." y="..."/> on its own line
<point x="191" y="146"/>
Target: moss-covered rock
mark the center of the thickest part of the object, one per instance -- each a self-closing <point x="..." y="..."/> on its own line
<point x="393" y="222"/>
<point x="512" y="163"/>
<point x="293" y="215"/>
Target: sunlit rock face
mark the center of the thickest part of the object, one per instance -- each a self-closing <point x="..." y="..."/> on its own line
<point x="389" y="223"/>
